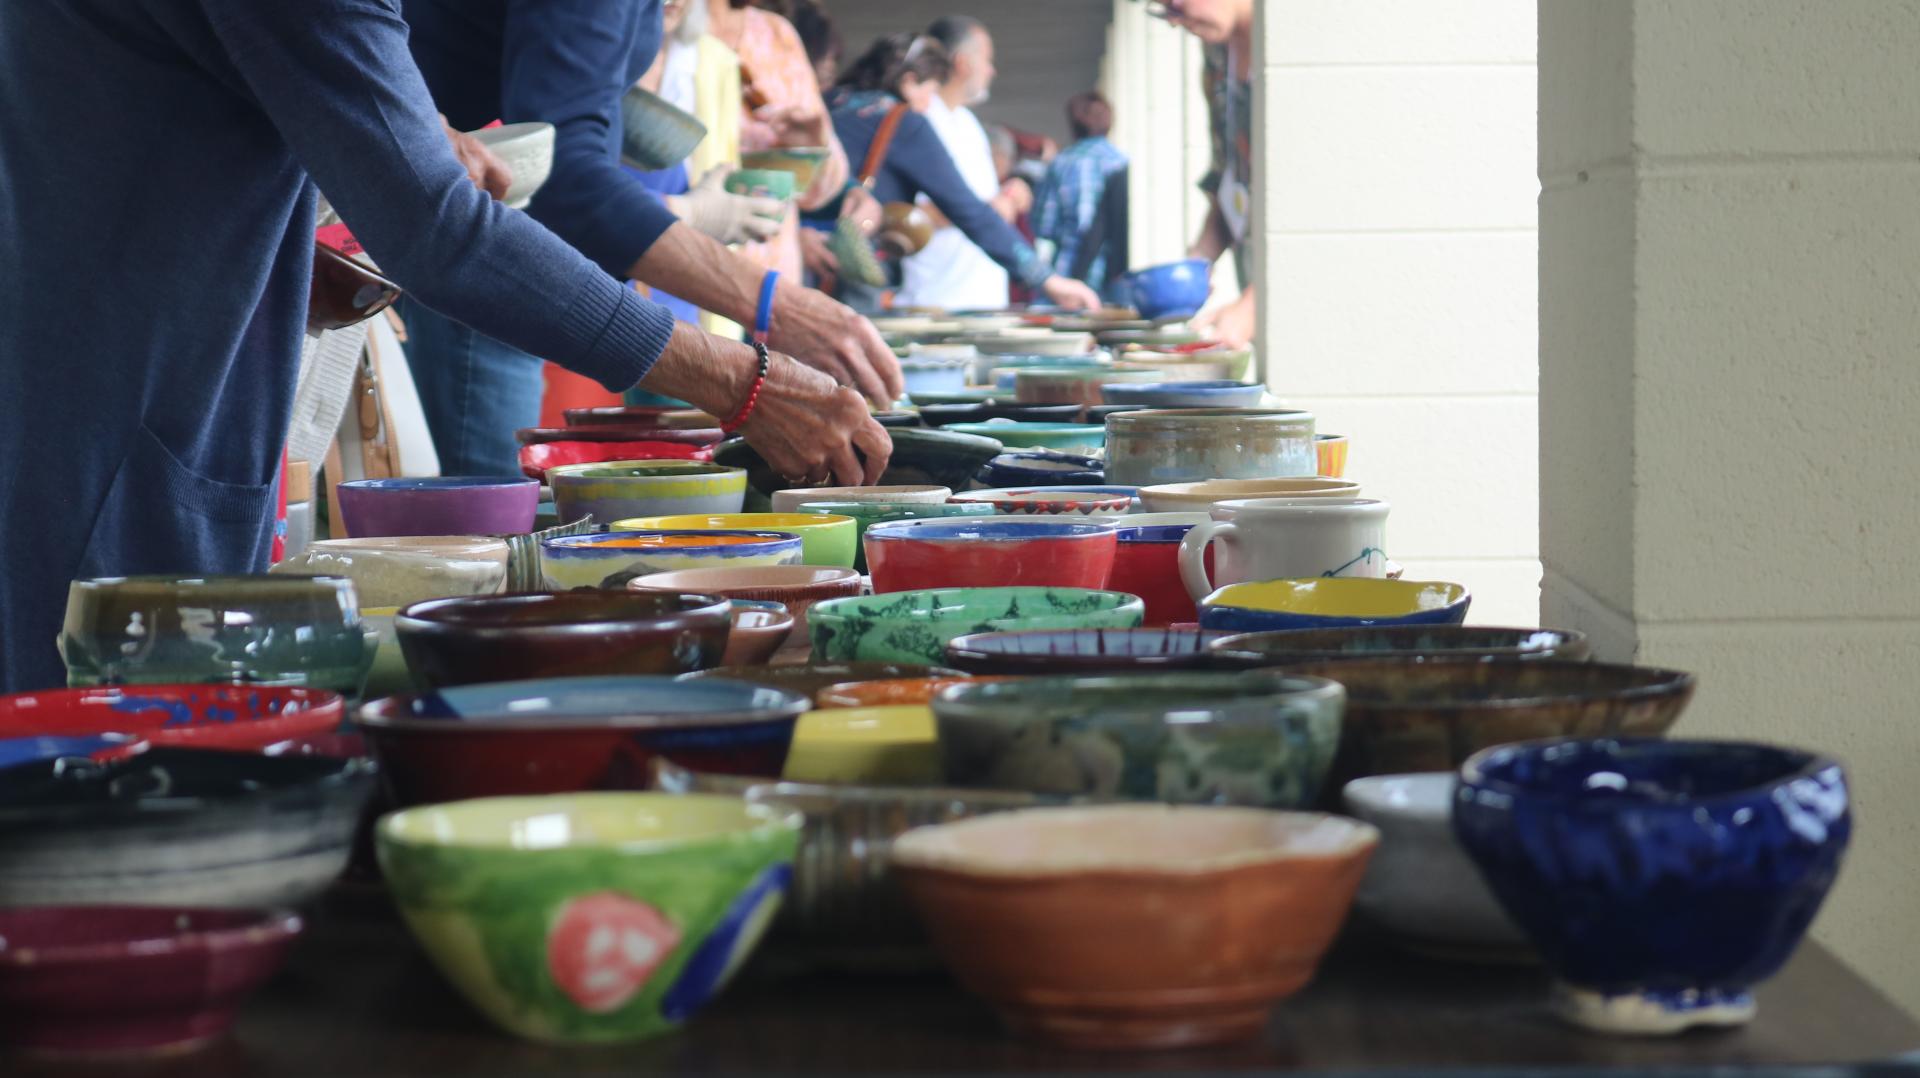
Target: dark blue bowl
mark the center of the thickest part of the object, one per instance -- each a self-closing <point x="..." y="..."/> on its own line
<point x="1660" y="880"/>
<point x="1169" y="290"/>
<point x="1044" y="468"/>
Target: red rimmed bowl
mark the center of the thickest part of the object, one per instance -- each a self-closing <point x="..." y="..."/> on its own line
<point x="480" y="638"/>
<point x="106" y="981"/>
<point x="987" y="552"/>
<point x="233" y="717"/>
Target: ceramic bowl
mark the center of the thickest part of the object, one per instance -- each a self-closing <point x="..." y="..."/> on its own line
<point x="397" y="570"/>
<point x="1429" y="714"/>
<point x="235" y="717"/>
<point x="888" y="692"/>
<point x="759" y="628"/>
<point x="1043" y="468"/>
<point x="1000" y="371"/>
<point x="920" y="458"/>
<point x="1175" y="334"/>
<point x="567" y="634"/>
<point x="930" y="375"/>
<point x="563" y="735"/>
<point x="1255" y="738"/>
<point x="655" y="134"/>
<point x="1219" y="393"/>
<point x="614" y="559"/>
<point x="537" y="460"/>
<point x="103" y="748"/>
<point x="811" y="679"/>
<point x="866" y="514"/>
<point x="1070" y="385"/>
<point x="527" y="150"/>
<point x="440" y="505"/>
<point x="1198" y="361"/>
<point x="896" y="418"/>
<point x="1039" y="342"/>
<point x="679" y="432"/>
<point x="640" y="488"/>
<point x="1660" y="880"/>
<point x="1331" y="449"/>
<point x="186" y="827"/>
<point x="1170" y="290"/>
<point x="1154" y="446"/>
<point x="971" y="395"/>
<point x="1098" y="413"/>
<point x="1096" y="492"/>
<point x="802" y="161"/>
<point x="344" y="290"/>
<point x="1081" y="651"/>
<point x="1065" y="437"/>
<point x="589" y="917"/>
<point x="914" y="626"/>
<point x="761" y="183"/>
<point x="116" y="981"/>
<point x="1060" y="503"/>
<point x="907" y="555"/>
<point x="825" y="539"/>
<point x="387" y="673"/>
<point x="885" y="745"/>
<point x="1146" y="562"/>
<point x="790" y="501"/>
<point x="264" y="629"/>
<point x="796" y="587"/>
<point x="1421" y="887"/>
<point x="1198" y="497"/>
<point x="1223" y="912"/>
<point x="1332" y="603"/>
<point x="1435" y="641"/>
<point x="941" y="415"/>
<point x="640" y="415"/>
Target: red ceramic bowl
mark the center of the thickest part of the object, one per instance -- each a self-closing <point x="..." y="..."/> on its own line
<point x="989" y="552"/>
<point x="536" y="459"/>
<point x="1146" y="562"/>
<point x="131" y="980"/>
<point x="233" y="717"/>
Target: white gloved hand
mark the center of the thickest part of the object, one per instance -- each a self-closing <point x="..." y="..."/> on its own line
<point x="710" y="208"/>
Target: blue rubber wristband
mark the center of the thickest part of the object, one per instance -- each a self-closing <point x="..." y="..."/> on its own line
<point x="763" y="315"/>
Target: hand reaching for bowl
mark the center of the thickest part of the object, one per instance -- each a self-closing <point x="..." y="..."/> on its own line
<point x="827" y="335"/>
<point x="1069" y="294"/>
<point x="808" y="429"/>
<point x="484" y="167"/>
<point x="713" y="210"/>
<point x="795" y="125"/>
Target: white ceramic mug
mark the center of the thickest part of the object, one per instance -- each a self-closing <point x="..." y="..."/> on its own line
<point x="1277" y="538"/>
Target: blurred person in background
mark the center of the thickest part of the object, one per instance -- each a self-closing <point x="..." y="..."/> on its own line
<point x="952" y="271"/>
<point x="1069" y="197"/>
<point x="822" y="40"/>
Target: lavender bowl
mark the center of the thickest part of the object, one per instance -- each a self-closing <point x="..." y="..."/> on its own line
<point x="440" y="505"/>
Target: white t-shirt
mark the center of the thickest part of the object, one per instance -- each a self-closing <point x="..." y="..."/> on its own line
<point x="951" y="271"/>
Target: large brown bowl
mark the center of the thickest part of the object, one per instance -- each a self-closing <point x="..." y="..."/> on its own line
<point x="1417" y="714"/>
<point x="1120" y="927"/>
<point x="482" y="638"/>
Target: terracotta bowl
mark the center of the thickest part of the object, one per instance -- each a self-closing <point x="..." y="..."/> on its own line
<point x="1082" y="651"/>
<point x="569" y="634"/>
<point x="563" y="735"/>
<point x="758" y="630"/>
<point x="1223" y="911"/>
<point x="1288" y="646"/>
<point x="93" y="981"/>
<point x="1423" y="714"/>
<point x="240" y="718"/>
<point x="810" y="679"/>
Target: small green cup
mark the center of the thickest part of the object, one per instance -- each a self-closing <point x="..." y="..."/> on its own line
<point x="761" y="183"/>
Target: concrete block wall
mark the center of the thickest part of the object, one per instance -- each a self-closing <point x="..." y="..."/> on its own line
<point x="1730" y="463"/>
<point x="1396" y="226"/>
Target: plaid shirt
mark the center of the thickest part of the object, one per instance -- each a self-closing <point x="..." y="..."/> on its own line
<point x="1068" y="198"/>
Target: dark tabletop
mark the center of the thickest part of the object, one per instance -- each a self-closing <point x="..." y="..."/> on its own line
<point x="358" y="998"/>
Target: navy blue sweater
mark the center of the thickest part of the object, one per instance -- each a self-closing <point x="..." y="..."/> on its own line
<point x="156" y="239"/>
<point x="563" y="62"/>
<point x="917" y="163"/>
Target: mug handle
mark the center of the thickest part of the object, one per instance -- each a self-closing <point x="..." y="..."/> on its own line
<point x="1193" y="555"/>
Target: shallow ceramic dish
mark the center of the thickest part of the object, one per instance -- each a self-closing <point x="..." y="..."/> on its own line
<point x="440" y="505"/>
<point x="790" y="501"/>
<point x="802" y="161"/>
<point x="1099" y="491"/>
<point x="1421" y="886"/>
<point x="796" y="587"/>
<point x="527" y="151"/>
<point x="122" y="981"/>
<point x="1198" y="497"/>
<point x="397" y="570"/>
<point x="1660" y="880"/>
<point x="589" y="918"/>
<point x="1043" y="468"/>
<point x="235" y="717"/>
<point x="637" y="488"/>
<point x="759" y="627"/>
<point x="1070" y="385"/>
<point x="1332" y="603"/>
<point x="1045" y="552"/>
<point x="1428" y="714"/>
<point x="562" y="735"/>
<point x="914" y="626"/>
<point x="921" y="457"/>
<point x="1255" y="738"/>
<point x="611" y="560"/>
<point x="1331" y="449"/>
<point x="1013" y="342"/>
<point x="1152" y="446"/>
<point x="1082" y="651"/>
<point x="1434" y="641"/>
<point x="263" y="629"/>
<point x="656" y="134"/>
<point x="1224" y="911"/>
<point x="825" y="539"/>
<point x="1066" y="437"/>
<point x="568" y="634"/>
<point x="942" y="415"/>
<point x="1169" y="290"/>
<point x="1219" y="393"/>
<point x="884" y="745"/>
<point x="866" y="514"/>
<point x="186" y="827"/>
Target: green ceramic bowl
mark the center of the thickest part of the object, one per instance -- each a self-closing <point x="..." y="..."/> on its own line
<point x="867" y="514"/>
<point x="824" y="540"/>
<point x="801" y="161"/>
<point x="580" y="918"/>
<point x="761" y="183"/>
<point x="1256" y="738"/>
<point x="914" y="626"/>
<point x="920" y="457"/>
<point x="1080" y="438"/>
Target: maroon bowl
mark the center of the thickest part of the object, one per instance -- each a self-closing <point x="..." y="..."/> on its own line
<point x="480" y="638"/>
<point x="131" y="980"/>
<point x="638" y="415"/>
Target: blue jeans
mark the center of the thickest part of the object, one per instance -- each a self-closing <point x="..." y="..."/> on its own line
<point x="476" y="392"/>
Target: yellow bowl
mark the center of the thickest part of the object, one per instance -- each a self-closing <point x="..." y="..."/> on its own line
<point x="825" y="538"/>
<point x="882" y="746"/>
<point x="1332" y="603"/>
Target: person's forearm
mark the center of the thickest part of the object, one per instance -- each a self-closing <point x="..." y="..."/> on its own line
<point x="1212" y="241"/>
<point x="701" y="271"/>
<point x="709" y="372"/>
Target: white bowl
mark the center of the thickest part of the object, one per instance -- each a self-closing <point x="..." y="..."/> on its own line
<point x="527" y="149"/>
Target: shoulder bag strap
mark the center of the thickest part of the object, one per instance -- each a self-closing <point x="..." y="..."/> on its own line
<point x="877" y="149"/>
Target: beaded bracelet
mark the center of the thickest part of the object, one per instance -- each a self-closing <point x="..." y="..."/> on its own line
<point x="753" y="393"/>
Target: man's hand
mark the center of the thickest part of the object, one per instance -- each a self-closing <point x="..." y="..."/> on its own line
<point x="484" y="167"/>
<point x="1069" y="294"/>
<point x="795" y="125"/>
<point x="816" y="253"/>
<point x="809" y="429"/>
<point x="1231" y="325"/>
<point x="863" y="208"/>
<point x="828" y="336"/>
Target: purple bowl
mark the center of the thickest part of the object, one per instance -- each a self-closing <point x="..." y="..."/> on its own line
<point x="441" y="505"/>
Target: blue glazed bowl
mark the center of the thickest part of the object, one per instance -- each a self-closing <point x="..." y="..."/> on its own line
<point x="1170" y="290"/>
<point x="1660" y="880"/>
<point x="1332" y="603"/>
<point x="1219" y="394"/>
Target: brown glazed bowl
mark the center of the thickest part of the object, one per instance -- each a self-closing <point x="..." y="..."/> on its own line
<point x="480" y="638"/>
<point x="1123" y="927"/>
<point x="1412" y="714"/>
<point x="344" y="291"/>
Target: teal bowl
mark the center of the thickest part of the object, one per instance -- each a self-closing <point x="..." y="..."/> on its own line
<point x="867" y="514"/>
<point x="1014" y="434"/>
<point x="1256" y="738"/>
<point x="1332" y="603"/>
<point x="914" y="626"/>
